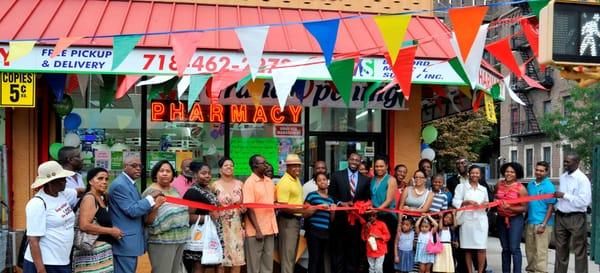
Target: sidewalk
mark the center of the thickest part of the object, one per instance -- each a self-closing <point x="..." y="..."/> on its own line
<point x="494" y="258"/>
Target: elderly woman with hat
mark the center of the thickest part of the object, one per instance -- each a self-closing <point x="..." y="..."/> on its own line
<point x="50" y="221"/>
<point x="289" y="192"/>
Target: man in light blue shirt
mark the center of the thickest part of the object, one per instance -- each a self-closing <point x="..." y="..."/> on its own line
<point x="539" y="220"/>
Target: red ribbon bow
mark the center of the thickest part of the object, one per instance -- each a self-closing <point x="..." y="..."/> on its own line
<point x="360" y="207"/>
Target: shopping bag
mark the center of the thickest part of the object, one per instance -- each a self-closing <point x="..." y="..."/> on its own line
<point x="196" y="235"/>
<point x="212" y="251"/>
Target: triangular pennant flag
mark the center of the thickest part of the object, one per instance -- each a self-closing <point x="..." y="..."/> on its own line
<point x="456" y="64"/>
<point x="19" y="49"/>
<point x="490" y="109"/>
<point x="107" y="91"/>
<point x="502" y="52"/>
<point x="466" y="22"/>
<point x="537" y="5"/>
<point x="439" y="90"/>
<point x="126" y="84"/>
<point x="197" y="83"/>
<point x="298" y="89"/>
<point x="403" y="68"/>
<point x="495" y="90"/>
<point x="223" y="79"/>
<point x="253" y="40"/>
<point x="477" y="101"/>
<point x="466" y="91"/>
<point x="284" y="78"/>
<point x="184" y="46"/>
<point x="57" y="83"/>
<point x="473" y="63"/>
<point x="242" y="82"/>
<point x="62" y="44"/>
<point x="370" y="90"/>
<point x="155" y="80"/>
<point x="533" y="83"/>
<point x="388" y="86"/>
<point x="325" y="32"/>
<point x="393" y="28"/>
<point x="256" y="89"/>
<point x="182" y="85"/>
<point x="136" y="103"/>
<point x="73" y="84"/>
<point x="100" y="79"/>
<point x="510" y="92"/>
<point x="83" y="84"/>
<point x="122" y="46"/>
<point x="341" y="73"/>
<point x="531" y="34"/>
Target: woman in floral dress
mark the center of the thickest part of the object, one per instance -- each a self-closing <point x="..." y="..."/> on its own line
<point x="229" y="192"/>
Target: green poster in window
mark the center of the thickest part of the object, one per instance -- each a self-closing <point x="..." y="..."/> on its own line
<point x="154" y="157"/>
<point x="116" y="162"/>
<point x="243" y="148"/>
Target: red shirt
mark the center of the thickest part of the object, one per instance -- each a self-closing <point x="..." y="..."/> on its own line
<point x="379" y="229"/>
<point x="506" y="192"/>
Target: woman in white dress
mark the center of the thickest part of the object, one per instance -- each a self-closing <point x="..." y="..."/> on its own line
<point x="473" y="223"/>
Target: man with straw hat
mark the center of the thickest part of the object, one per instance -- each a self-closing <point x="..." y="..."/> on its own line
<point x="289" y="192"/>
<point x="50" y="221"/>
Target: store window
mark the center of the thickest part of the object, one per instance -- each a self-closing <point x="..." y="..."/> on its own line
<point x="514" y="155"/>
<point x="345" y="120"/>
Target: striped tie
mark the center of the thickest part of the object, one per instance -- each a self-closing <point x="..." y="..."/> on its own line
<point x="352" y="186"/>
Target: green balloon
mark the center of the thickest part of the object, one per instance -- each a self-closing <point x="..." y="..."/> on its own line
<point x="65" y="106"/>
<point x="54" y="148"/>
<point x="429" y="134"/>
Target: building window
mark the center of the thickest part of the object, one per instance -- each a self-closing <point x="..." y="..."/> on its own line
<point x="547" y="107"/>
<point x="345" y="120"/>
<point x="547" y="156"/>
<point x="566" y="111"/>
<point x="529" y="162"/>
<point x="514" y="155"/>
<point x="514" y="120"/>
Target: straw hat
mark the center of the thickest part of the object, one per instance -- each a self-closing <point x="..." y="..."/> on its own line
<point x="49" y="171"/>
<point x="293" y="159"/>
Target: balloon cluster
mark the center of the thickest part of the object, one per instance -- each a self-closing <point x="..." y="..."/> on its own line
<point x="429" y="135"/>
<point x="71" y="122"/>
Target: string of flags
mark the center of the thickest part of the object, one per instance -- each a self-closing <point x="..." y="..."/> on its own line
<point x="467" y="40"/>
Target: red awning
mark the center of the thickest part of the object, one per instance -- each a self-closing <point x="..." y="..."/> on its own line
<point x="32" y="19"/>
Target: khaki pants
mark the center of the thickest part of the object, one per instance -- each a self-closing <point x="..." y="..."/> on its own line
<point x="259" y="254"/>
<point x="289" y="232"/>
<point x="571" y="227"/>
<point x="536" y="248"/>
<point x="166" y="258"/>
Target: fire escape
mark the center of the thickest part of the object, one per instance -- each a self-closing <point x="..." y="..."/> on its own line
<point x="529" y="125"/>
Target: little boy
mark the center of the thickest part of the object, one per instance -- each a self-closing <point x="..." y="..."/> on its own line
<point x="376" y="235"/>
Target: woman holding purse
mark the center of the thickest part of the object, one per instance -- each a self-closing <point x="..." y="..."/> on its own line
<point x="93" y="218"/>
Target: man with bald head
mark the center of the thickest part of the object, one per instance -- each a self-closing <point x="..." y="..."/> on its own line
<point x="70" y="159"/>
<point x="185" y="180"/>
<point x="127" y="209"/>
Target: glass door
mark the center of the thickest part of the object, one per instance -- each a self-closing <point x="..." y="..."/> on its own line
<point x="335" y="148"/>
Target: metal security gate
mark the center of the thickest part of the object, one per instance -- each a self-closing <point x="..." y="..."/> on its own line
<point x="595" y="243"/>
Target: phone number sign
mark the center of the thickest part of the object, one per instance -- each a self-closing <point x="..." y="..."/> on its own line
<point x="18" y="89"/>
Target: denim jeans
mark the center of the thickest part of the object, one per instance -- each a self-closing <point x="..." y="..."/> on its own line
<point x="29" y="267"/>
<point x="510" y="239"/>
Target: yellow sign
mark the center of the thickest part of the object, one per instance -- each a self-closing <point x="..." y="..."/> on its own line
<point x="18" y="89"/>
<point x="490" y="111"/>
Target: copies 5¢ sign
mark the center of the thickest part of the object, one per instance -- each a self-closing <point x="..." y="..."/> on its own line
<point x="18" y="89"/>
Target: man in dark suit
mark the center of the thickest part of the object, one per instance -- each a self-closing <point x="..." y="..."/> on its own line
<point x="127" y="209"/>
<point x="346" y="187"/>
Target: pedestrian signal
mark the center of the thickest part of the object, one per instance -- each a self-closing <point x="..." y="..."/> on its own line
<point x="570" y="33"/>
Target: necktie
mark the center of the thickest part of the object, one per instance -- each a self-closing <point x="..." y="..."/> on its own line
<point x="352" y="186"/>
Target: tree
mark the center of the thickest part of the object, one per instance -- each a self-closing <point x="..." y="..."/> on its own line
<point x="578" y="122"/>
<point x="463" y="134"/>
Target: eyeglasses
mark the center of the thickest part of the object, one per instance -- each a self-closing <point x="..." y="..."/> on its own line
<point x="135" y="165"/>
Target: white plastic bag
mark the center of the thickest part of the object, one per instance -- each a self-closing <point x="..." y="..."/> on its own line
<point x="212" y="252"/>
<point x="196" y="235"/>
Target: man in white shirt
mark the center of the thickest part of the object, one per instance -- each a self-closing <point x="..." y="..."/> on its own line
<point x="311" y="185"/>
<point x="574" y="196"/>
<point x="70" y="159"/>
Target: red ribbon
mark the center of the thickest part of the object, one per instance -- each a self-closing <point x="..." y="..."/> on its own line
<point x="360" y="207"/>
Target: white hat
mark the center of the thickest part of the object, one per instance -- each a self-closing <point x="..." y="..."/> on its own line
<point x="48" y="171"/>
<point x="293" y="159"/>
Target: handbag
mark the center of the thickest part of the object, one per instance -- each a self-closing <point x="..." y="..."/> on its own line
<point x="212" y="251"/>
<point x="83" y="240"/>
<point x="434" y="247"/>
<point x="196" y="235"/>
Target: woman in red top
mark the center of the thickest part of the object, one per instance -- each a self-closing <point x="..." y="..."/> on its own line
<point x="511" y="220"/>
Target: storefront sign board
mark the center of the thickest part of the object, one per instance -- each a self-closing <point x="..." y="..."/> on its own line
<point x="242" y="148"/>
<point x="149" y="61"/>
<point x="288" y="131"/>
<point x="155" y="157"/>
<point x="18" y="89"/>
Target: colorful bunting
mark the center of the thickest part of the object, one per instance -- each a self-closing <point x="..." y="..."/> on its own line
<point x="466" y="91"/>
<point x="284" y="78"/>
<point x="242" y="82"/>
<point x="456" y="64"/>
<point x="490" y="109"/>
<point x="126" y="84"/>
<point x="83" y="84"/>
<point x="341" y="73"/>
<point x="403" y="68"/>
<point x="388" y="86"/>
<point x="510" y="92"/>
<point x="325" y="32"/>
<point x="372" y="88"/>
<point x="122" y="46"/>
<point x="533" y="83"/>
<point x="393" y="28"/>
<point x="477" y="101"/>
<point x="466" y="22"/>
<point x="473" y="64"/>
<point x="501" y="51"/>
<point x="155" y="80"/>
<point x="531" y="34"/>
<point x="253" y="40"/>
<point x="107" y="91"/>
<point x="57" y="84"/>
<point x="256" y="89"/>
<point x="223" y="79"/>
<point x="196" y="86"/>
<point x="495" y="90"/>
<point x="537" y="5"/>
<point x="62" y="44"/>
<point x="298" y="89"/>
<point x="73" y="84"/>
<point x="19" y="49"/>
<point x="184" y="46"/>
<point x="182" y="85"/>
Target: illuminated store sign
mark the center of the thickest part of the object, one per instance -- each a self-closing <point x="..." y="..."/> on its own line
<point x="177" y="111"/>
